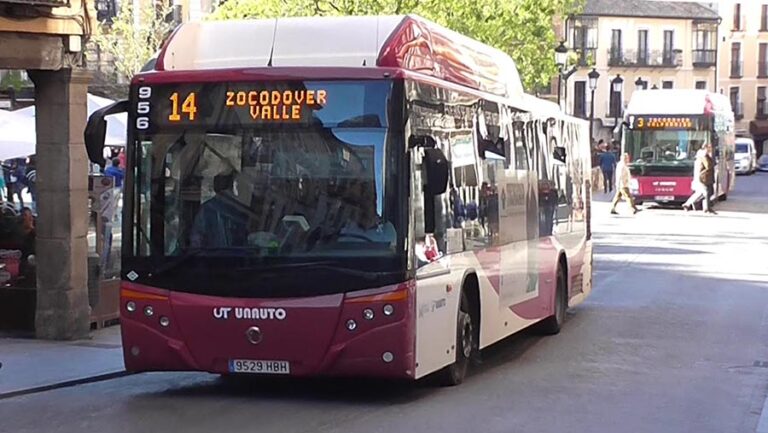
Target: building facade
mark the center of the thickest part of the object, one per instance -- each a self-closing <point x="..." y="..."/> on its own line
<point x="647" y="44"/>
<point x="46" y="38"/>
<point x="743" y="74"/>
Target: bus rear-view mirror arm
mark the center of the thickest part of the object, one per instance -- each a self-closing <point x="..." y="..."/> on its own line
<point x="96" y="131"/>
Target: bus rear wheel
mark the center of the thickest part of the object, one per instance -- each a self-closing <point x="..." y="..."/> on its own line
<point x="455" y="373"/>
<point x="552" y="324"/>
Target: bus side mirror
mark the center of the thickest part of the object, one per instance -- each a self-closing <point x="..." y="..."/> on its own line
<point x="559" y="153"/>
<point x="436" y="166"/>
<point x="96" y="131"/>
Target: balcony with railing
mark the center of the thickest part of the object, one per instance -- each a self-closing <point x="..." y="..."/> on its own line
<point x="737" y="69"/>
<point x="585" y="56"/>
<point x="646" y="59"/>
<point x="704" y="58"/>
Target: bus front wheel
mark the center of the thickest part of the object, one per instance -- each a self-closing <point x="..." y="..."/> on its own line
<point x="465" y="342"/>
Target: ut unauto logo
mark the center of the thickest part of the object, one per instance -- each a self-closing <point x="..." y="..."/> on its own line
<point x="257" y="313"/>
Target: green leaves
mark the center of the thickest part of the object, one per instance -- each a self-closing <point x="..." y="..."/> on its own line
<point x="134" y="36"/>
<point x="522" y="28"/>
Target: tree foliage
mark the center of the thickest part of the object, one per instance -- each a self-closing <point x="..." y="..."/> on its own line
<point x="522" y="28"/>
<point x="134" y="36"/>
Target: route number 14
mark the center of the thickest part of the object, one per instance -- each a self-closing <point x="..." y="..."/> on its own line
<point x="188" y="107"/>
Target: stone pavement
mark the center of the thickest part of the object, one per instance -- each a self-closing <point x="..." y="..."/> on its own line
<point x="28" y="365"/>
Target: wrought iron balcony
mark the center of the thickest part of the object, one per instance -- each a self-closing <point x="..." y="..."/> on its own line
<point x="646" y="59"/>
<point x="704" y="58"/>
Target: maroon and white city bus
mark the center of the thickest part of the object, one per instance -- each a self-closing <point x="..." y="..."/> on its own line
<point x="664" y="130"/>
<point x="348" y="196"/>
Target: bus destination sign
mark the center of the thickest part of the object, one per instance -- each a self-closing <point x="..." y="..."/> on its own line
<point x="260" y="104"/>
<point x="212" y="105"/>
<point x="663" y="122"/>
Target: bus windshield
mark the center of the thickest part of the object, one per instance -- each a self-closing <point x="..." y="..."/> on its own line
<point x="238" y="196"/>
<point x="664" y="147"/>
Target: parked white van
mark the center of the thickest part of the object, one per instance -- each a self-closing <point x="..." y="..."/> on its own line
<point x="746" y="156"/>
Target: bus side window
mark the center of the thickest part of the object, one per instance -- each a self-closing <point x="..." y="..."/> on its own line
<point x="518" y="138"/>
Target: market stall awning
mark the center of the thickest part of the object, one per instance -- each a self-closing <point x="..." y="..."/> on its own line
<point x="17" y="135"/>
<point x="116" y="123"/>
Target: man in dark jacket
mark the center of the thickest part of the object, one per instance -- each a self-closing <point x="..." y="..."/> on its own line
<point x="707" y="177"/>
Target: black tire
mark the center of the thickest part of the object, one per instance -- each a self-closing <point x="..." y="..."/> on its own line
<point x="455" y="373"/>
<point x="552" y="324"/>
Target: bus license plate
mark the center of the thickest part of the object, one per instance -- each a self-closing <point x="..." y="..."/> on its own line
<point x="259" y="366"/>
<point x="665" y="197"/>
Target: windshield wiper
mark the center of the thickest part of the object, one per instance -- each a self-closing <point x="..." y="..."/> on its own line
<point x="186" y="256"/>
<point x="321" y="265"/>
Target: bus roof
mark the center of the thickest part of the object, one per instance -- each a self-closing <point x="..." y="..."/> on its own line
<point x="676" y="101"/>
<point x="406" y="42"/>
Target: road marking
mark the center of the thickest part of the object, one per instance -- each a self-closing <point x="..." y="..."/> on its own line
<point x="67" y="384"/>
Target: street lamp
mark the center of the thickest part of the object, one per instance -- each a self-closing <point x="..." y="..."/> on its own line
<point x="561" y="57"/>
<point x="593" y="76"/>
<point x="617" y="84"/>
<point x="640" y="84"/>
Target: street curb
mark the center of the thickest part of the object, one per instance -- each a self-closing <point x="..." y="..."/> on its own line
<point x="65" y="384"/>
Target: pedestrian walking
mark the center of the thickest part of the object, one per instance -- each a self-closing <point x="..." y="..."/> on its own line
<point x="703" y="180"/>
<point x="622" y="185"/>
<point x="607" y="166"/>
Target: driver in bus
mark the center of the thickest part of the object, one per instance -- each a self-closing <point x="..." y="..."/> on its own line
<point x="369" y="226"/>
<point x="221" y="221"/>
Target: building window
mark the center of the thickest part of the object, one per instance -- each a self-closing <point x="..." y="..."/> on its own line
<point x="669" y="44"/>
<point x="580" y="99"/>
<point x="762" y="107"/>
<point x="762" y="61"/>
<point x="667" y="84"/>
<point x="642" y="47"/>
<point x="738" y="110"/>
<point x="615" y="108"/>
<point x="617" y="54"/>
<point x="585" y="40"/>
<point x="701" y="85"/>
<point x="705" y="47"/>
<point x="764" y="19"/>
<point x="736" y="60"/>
<point x="737" y="16"/>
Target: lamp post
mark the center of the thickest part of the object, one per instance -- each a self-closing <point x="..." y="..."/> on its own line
<point x="640" y="84"/>
<point x="561" y="57"/>
<point x="617" y="84"/>
<point x="593" y="76"/>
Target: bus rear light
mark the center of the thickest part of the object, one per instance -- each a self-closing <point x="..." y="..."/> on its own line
<point x="149" y="311"/>
<point x="387" y="357"/>
<point x="351" y="325"/>
<point x="368" y="314"/>
<point x="135" y="351"/>
<point x="164" y="321"/>
<point x="141" y="296"/>
<point x="388" y="310"/>
<point x="398" y="295"/>
<point x="130" y="306"/>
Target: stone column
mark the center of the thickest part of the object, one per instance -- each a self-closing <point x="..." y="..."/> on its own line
<point x="62" y="184"/>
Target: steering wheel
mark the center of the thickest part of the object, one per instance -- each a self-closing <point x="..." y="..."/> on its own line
<point x="356" y="236"/>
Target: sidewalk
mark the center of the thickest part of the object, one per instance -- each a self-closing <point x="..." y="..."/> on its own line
<point x="29" y="364"/>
